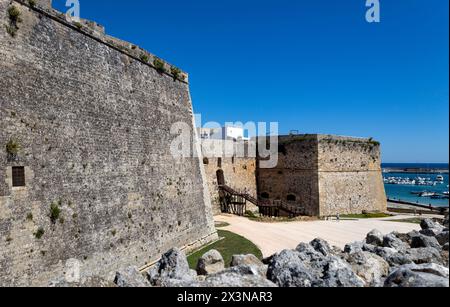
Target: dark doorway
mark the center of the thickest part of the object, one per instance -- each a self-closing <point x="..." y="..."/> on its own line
<point x="265" y="195"/>
<point x="291" y="198"/>
<point x="220" y="177"/>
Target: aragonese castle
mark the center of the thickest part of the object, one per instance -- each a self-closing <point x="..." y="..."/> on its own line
<point x="86" y="171"/>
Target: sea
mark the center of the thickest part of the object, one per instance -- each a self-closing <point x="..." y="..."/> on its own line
<point x="406" y="192"/>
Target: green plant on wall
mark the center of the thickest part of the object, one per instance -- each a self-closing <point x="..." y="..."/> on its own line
<point x="32" y="2"/>
<point x="55" y="212"/>
<point x="176" y="73"/>
<point x="14" y="19"/>
<point x="78" y="25"/>
<point x="144" y="58"/>
<point x="12" y="147"/>
<point x="159" y="65"/>
<point x="39" y="233"/>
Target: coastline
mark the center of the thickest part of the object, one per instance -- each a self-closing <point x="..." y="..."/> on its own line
<point x="415" y="171"/>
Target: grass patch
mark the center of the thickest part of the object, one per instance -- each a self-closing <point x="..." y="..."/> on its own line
<point x="231" y="244"/>
<point x="159" y="65"/>
<point x="55" y="212"/>
<point x="252" y="216"/>
<point x="12" y="147"/>
<point x="39" y="233"/>
<point x="414" y="220"/>
<point x="365" y="216"/>
<point x="144" y="58"/>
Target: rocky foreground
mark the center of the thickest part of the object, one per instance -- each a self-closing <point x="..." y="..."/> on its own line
<point x="416" y="259"/>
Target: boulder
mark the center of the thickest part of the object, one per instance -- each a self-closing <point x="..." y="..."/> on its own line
<point x="337" y="273"/>
<point x="374" y="237"/>
<point x="355" y="247"/>
<point x="444" y="256"/>
<point x="391" y="241"/>
<point x="210" y="263"/>
<point x="370" y="267"/>
<point x="425" y="275"/>
<point x="249" y="263"/>
<point x="287" y="269"/>
<point x="442" y="238"/>
<point x="424" y="241"/>
<point x="236" y="280"/>
<point x="407" y="237"/>
<point x="85" y="282"/>
<point x="245" y="260"/>
<point x="131" y="278"/>
<point x="445" y="222"/>
<point x="392" y="256"/>
<point x="432" y="232"/>
<point x="430" y="224"/>
<point x="306" y="267"/>
<point x="321" y="246"/>
<point x="173" y="265"/>
<point x="250" y="270"/>
<point x="424" y="255"/>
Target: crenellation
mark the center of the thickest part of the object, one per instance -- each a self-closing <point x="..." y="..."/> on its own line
<point x="97" y="32"/>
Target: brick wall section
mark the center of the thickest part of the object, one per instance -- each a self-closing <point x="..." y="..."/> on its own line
<point x="93" y="124"/>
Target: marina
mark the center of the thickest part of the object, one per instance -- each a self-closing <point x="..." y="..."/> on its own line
<point x="430" y="188"/>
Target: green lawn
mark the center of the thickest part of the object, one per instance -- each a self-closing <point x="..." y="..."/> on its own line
<point x="365" y="216"/>
<point x="231" y="244"/>
<point x="414" y="220"/>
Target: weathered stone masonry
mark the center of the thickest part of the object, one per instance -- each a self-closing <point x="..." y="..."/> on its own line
<point x="326" y="175"/>
<point x="92" y="121"/>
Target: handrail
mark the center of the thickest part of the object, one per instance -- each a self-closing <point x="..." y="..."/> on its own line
<point x="275" y="204"/>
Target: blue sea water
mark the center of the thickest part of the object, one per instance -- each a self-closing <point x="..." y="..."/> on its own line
<point x="416" y="165"/>
<point x="403" y="192"/>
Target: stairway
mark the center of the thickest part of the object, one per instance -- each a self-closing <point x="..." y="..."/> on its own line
<point x="233" y="202"/>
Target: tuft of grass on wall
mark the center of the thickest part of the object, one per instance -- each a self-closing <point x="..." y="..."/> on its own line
<point x="39" y="233"/>
<point x="12" y="147"/>
<point x="14" y="19"/>
<point x="159" y="65"/>
<point x="14" y="14"/>
<point x="144" y="58"/>
<point x="176" y="73"/>
<point x="55" y="212"/>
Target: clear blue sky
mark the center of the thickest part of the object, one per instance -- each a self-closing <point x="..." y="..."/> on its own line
<point x="312" y="65"/>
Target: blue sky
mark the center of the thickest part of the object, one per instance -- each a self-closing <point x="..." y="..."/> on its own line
<point x="312" y="65"/>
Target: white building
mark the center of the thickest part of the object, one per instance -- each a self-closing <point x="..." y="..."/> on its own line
<point x="231" y="133"/>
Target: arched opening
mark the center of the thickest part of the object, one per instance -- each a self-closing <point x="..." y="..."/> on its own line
<point x="265" y="195"/>
<point x="205" y="161"/>
<point x="220" y="177"/>
<point x="291" y="198"/>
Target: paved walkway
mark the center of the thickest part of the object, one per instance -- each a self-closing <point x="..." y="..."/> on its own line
<point x="275" y="237"/>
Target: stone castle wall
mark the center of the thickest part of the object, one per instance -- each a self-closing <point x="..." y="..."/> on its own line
<point x="326" y="175"/>
<point x="239" y="170"/>
<point x="295" y="174"/>
<point x="93" y="124"/>
<point x="350" y="176"/>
